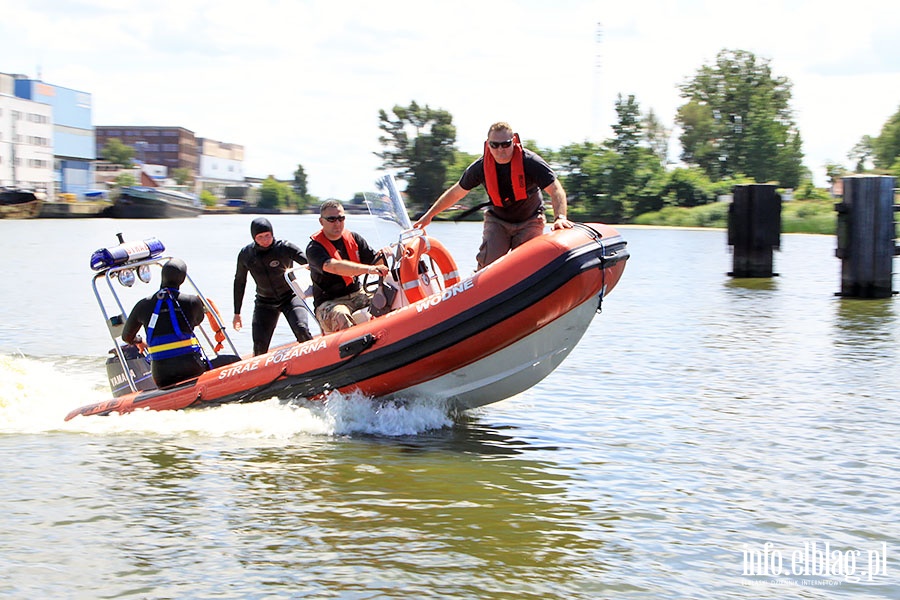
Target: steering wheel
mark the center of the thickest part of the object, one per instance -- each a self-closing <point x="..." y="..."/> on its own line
<point x="370" y="283"/>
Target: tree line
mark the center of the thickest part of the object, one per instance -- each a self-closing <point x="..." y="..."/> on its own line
<point x="736" y="127"/>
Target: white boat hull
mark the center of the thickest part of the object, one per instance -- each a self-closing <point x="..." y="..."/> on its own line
<point x="512" y="370"/>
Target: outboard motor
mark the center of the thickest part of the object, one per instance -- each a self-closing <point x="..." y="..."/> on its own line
<point x="139" y="366"/>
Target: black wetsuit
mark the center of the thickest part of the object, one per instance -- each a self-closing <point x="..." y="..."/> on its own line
<point x="273" y="294"/>
<point x="189" y="312"/>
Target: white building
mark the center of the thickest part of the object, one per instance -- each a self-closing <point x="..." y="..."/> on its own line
<point x="26" y="141"/>
<point x="221" y="162"/>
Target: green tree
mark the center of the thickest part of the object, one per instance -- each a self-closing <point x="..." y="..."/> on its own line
<point x="419" y="144"/>
<point x="208" y="198"/>
<point x="276" y="194"/>
<point x="862" y="153"/>
<point x="618" y="178"/>
<point x="657" y="137"/>
<point x="887" y="145"/>
<point x="117" y="153"/>
<point x="688" y="187"/>
<point x="699" y="146"/>
<point x="288" y="198"/>
<point x="834" y="171"/>
<point x="268" y="193"/>
<point x="300" y="182"/>
<point x="634" y="166"/>
<point x="182" y="176"/>
<point x="299" y="189"/>
<point x="584" y="169"/>
<point x="629" y="128"/>
<point x="737" y="119"/>
<point x="455" y="169"/>
<point x="628" y="131"/>
<point x="895" y="168"/>
<point x="124" y="179"/>
<point x="791" y="171"/>
<point x="595" y="182"/>
<point x="808" y="191"/>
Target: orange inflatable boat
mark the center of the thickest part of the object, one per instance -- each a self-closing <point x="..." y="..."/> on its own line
<point x="469" y="341"/>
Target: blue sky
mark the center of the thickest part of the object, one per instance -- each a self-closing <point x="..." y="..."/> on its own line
<point x="302" y="81"/>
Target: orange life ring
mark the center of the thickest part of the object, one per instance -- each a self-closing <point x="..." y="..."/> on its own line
<point x="215" y="323"/>
<point x="413" y="252"/>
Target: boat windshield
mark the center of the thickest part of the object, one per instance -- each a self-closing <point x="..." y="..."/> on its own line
<point x="387" y="206"/>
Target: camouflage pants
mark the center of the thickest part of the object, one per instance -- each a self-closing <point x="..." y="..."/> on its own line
<point x="334" y="315"/>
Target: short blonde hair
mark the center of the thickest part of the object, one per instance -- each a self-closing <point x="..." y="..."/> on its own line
<point x="500" y="126"/>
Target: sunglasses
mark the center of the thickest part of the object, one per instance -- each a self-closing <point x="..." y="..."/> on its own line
<point x="333" y="219"/>
<point x="505" y="144"/>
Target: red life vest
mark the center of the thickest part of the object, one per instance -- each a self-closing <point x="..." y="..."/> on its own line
<point x="349" y="244"/>
<point x="517" y="173"/>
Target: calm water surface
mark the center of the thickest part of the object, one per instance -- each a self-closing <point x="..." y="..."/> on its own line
<point x="708" y="438"/>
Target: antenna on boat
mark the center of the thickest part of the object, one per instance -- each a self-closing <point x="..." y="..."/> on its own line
<point x="121" y="239"/>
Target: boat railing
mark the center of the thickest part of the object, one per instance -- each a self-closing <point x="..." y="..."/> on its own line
<point x="300" y="282"/>
<point x="115" y="314"/>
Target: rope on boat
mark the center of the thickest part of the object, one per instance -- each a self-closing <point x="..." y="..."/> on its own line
<point x="602" y="274"/>
<point x="597" y="237"/>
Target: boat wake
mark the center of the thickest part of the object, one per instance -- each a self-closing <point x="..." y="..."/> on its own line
<point x="35" y="395"/>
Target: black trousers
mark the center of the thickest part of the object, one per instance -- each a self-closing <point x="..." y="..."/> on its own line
<point x="170" y="371"/>
<point x="265" y="317"/>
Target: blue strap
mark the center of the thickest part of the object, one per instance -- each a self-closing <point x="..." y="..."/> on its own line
<point x="173" y="344"/>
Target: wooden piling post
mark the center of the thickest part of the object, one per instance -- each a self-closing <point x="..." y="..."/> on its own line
<point x="754" y="229"/>
<point x="865" y="236"/>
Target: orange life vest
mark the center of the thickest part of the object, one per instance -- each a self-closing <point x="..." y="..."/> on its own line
<point x="517" y="173"/>
<point x="349" y="243"/>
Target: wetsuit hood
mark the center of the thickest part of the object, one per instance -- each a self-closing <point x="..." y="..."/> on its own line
<point x="174" y="273"/>
<point x="260" y="225"/>
<point x="257" y="226"/>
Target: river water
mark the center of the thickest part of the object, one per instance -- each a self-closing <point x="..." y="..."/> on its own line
<point x="709" y="437"/>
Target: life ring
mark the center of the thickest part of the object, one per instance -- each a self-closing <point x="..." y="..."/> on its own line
<point x="215" y="323"/>
<point x="413" y="252"/>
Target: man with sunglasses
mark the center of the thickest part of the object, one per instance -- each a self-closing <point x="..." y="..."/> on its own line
<point x="266" y="259"/>
<point x="513" y="178"/>
<point x="337" y="257"/>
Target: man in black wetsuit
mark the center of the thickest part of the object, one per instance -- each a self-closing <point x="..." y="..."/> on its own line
<point x="169" y="318"/>
<point x="267" y="259"/>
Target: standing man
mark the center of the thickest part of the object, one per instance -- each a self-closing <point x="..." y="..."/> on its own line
<point x="169" y="318"/>
<point x="513" y="178"/>
<point x="336" y="257"/>
<point x="267" y="259"/>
